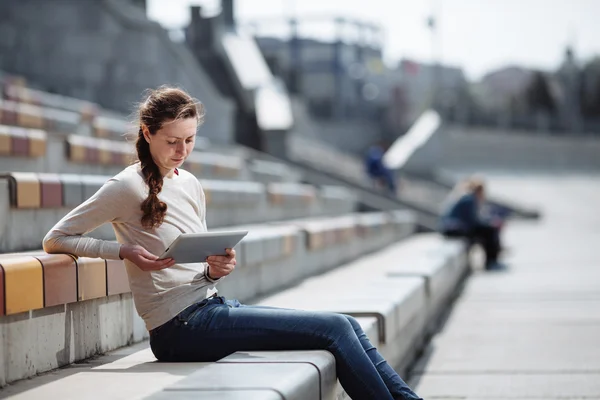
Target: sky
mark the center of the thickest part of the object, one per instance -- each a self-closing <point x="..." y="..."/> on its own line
<point x="476" y="35"/>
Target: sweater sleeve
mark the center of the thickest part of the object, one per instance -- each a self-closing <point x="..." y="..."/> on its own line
<point x="108" y="204"/>
<point x="202" y="204"/>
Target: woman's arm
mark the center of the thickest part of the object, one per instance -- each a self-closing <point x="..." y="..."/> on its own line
<point x="110" y="203"/>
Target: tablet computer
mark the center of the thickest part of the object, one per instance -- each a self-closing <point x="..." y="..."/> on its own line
<point x="196" y="247"/>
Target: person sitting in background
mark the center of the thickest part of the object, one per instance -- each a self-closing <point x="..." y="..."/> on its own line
<point x="377" y="171"/>
<point x="463" y="218"/>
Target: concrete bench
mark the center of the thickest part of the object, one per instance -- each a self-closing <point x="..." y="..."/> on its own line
<point x="39" y="117"/>
<point x="91" y="296"/>
<point x="21" y="142"/>
<point x="90" y="150"/>
<point x="93" y="150"/>
<point x="397" y="305"/>
<point x="19" y="93"/>
<point x="215" y="165"/>
<point x="32" y="203"/>
<point x="79" y="112"/>
<point x="291" y="199"/>
<point x="76" y="307"/>
<point x="293" y="375"/>
<point x="404" y="286"/>
<point x="270" y="257"/>
<point x="283" y="253"/>
<point x="104" y="126"/>
<point x="39" y="280"/>
<point x="269" y="171"/>
<point x="335" y="240"/>
<point x="241" y="202"/>
<point x="338" y="197"/>
<point x="133" y="372"/>
<point x="440" y="262"/>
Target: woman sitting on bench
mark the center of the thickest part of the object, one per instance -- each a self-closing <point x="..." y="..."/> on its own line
<point x="149" y="204"/>
<point x="463" y="218"/>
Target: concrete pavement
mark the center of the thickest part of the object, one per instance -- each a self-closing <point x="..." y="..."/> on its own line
<point x="531" y="331"/>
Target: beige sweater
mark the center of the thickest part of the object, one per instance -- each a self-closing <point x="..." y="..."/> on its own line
<point x="158" y="295"/>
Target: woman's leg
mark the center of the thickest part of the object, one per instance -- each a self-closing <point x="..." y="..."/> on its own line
<point x="397" y="387"/>
<point x="215" y="329"/>
<point x="489" y="237"/>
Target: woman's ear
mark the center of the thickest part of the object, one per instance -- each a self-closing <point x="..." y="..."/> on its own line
<point x="146" y="133"/>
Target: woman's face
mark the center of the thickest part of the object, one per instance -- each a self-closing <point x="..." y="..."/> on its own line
<point x="172" y="143"/>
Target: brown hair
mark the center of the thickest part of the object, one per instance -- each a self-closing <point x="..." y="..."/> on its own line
<point x="160" y="105"/>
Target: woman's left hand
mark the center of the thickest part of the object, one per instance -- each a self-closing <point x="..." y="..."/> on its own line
<point x="220" y="266"/>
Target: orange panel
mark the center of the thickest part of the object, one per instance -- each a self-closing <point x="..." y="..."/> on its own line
<point x="91" y="278"/>
<point x="27" y="188"/>
<point x="5" y="141"/>
<point x="104" y="156"/>
<point x="193" y="167"/>
<point x="230" y="171"/>
<point x="88" y="113"/>
<point x="23" y="284"/>
<point x="76" y="149"/>
<point x="37" y="143"/>
<point x="288" y="245"/>
<point x="2" y="311"/>
<point x="276" y="198"/>
<point x="101" y="132"/>
<point x="30" y="116"/>
<point x="308" y="198"/>
<point x="315" y="240"/>
<point x="117" y="281"/>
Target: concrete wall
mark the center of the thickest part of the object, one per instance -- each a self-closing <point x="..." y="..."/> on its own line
<point x="41" y="340"/>
<point x="350" y="136"/>
<point x="104" y="51"/>
<point x="458" y="148"/>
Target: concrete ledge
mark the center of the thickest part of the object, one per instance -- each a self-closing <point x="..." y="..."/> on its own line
<point x="298" y="381"/>
<point x="405" y="287"/>
<point x="370" y="293"/>
<point x="42" y="340"/>
<point x="276" y="258"/>
<point x="322" y="361"/>
<point x="29" y="208"/>
<point x="133" y="372"/>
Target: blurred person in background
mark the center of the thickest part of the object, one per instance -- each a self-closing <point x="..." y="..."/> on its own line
<point x="377" y="171"/>
<point x="464" y="216"/>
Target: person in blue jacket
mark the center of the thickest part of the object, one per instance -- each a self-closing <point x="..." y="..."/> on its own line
<point x="377" y="171"/>
<point x="463" y="217"/>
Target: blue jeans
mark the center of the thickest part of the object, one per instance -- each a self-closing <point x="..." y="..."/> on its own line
<point x="214" y="328"/>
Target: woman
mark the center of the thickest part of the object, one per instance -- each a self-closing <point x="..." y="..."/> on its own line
<point x="149" y="204"/>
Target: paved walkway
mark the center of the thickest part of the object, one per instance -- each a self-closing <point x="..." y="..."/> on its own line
<point x="532" y="331"/>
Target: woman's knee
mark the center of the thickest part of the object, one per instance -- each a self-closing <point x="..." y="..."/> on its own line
<point x="335" y="324"/>
<point x="353" y="322"/>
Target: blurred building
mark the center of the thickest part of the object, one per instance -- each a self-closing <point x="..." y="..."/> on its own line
<point x="569" y="75"/>
<point x="418" y="86"/>
<point x="521" y="98"/>
<point x="343" y="82"/>
<point x="496" y="89"/>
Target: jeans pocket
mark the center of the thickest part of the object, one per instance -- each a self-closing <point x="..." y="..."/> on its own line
<point x="188" y="314"/>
